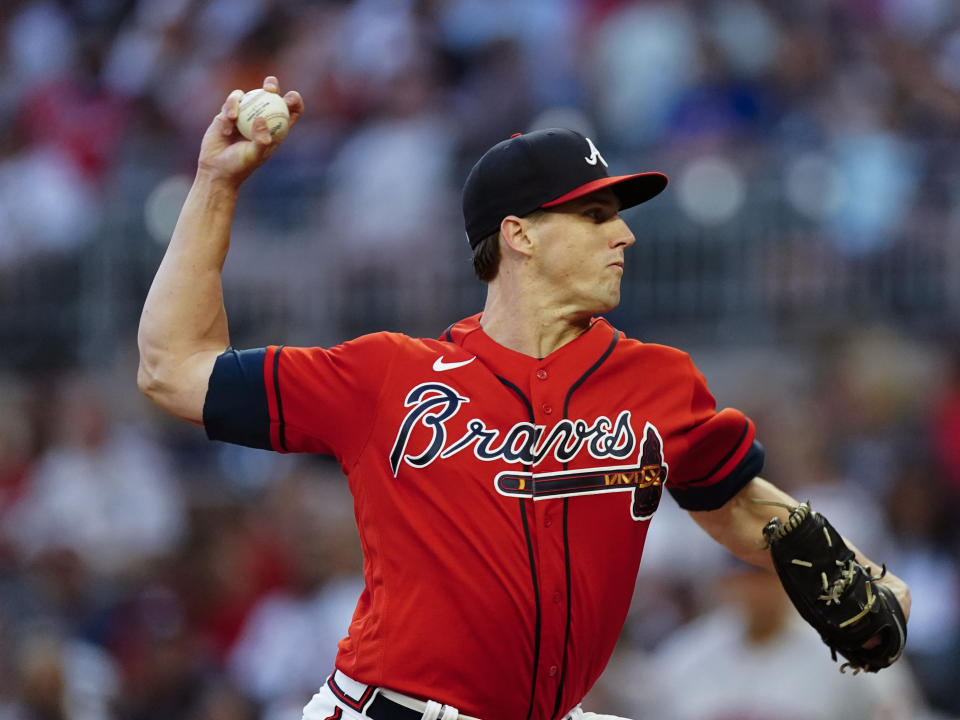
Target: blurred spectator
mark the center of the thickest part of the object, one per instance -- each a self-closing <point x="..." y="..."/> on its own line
<point x="944" y="427"/>
<point x="103" y="490"/>
<point x="669" y="594"/>
<point x="754" y="658"/>
<point x="45" y="205"/>
<point x="163" y="670"/>
<point x="288" y="643"/>
<point x="15" y="447"/>
<point x="61" y="679"/>
<point x="643" y="57"/>
<point x="231" y="560"/>
<point x="875" y="391"/>
<point x="924" y="542"/>
<point x="386" y="179"/>
<point x="40" y="41"/>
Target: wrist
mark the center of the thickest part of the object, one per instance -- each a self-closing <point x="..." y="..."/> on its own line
<point x="212" y="199"/>
<point x="900" y="590"/>
<point x="215" y="181"/>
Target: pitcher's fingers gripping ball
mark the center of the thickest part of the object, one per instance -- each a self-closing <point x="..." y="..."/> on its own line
<point x="268" y="105"/>
<point x="855" y="615"/>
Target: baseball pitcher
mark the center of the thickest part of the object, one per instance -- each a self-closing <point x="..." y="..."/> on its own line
<point x="505" y="473"/>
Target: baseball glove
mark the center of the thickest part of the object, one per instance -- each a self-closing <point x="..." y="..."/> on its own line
<point x="855" y="615"/>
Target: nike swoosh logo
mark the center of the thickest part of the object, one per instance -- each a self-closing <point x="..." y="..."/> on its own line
<point x="439" y="365"/>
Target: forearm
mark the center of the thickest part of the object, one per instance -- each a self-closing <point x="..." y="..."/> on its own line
<point x="183" y="326"/>
<point x="738" y="526"/>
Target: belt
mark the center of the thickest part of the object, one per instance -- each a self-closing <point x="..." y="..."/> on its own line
<point x="382" y="704"/>
<point x="383" y="708"/>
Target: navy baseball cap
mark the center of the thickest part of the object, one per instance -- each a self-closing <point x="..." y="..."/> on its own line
<point x="542" y="169"/>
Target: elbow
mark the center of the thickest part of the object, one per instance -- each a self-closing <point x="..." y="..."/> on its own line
<point x="158" y="383"/>
<point x="149" y="355"/>
<point x="173" y="383"/>
<point x="154" y="373"/>
<point x="147" y="381"/>
<point x="149" y="376"/>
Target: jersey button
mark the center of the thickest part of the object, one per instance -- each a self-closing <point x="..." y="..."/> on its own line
<point x="553" y="670"/>
<point x="548" y="522"/>
<point x="542" y="374"/>
<point x="556" y="598"/>
<point x="547" y="410"/>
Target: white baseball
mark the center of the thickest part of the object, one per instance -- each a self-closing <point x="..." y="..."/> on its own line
<point x="268" y="105"/>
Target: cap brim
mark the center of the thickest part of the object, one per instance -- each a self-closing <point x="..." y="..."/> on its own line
<point x="630" y="189"/>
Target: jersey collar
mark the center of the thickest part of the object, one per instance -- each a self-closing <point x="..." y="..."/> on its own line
<point x="567" y="363"/>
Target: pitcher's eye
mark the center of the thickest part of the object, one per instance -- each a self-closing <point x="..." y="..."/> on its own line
<point x="600" y="214"/>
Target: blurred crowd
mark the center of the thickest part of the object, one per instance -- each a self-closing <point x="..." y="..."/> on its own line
<point x="146" y="573"/>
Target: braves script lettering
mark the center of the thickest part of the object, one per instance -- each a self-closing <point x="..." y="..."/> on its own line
<point x="433" y="404"/>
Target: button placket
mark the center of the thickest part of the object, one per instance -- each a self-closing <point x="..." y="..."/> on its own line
<point x="546" y="405"/>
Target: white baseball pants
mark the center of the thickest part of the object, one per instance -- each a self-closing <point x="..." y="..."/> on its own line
<point x="342" y="698"/>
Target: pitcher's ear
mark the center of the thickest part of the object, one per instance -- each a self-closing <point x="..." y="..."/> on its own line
<point x="514" y="231"/>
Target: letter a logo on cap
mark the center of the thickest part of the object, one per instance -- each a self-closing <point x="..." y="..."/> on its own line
<point x="594" y="154"/>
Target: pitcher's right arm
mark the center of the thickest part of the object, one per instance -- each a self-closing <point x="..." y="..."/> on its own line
<point x="183" y="326"/>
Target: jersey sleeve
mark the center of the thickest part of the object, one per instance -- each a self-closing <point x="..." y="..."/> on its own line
<point x="719" y="452"/>
<point x="291" y="399"/>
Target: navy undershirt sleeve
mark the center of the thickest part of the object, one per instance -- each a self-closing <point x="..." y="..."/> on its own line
<point x="235" y="409"/>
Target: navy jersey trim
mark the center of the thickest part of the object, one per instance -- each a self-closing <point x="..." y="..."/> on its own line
<point x="448" y="333"/>
<point x="582" y="379"/>
<point x="235" y="408"/>
<point x="714" y="496"/>
<point x="566" y="632"/>
<point x="566" y="538"/>
<point x="536" y="599"/>
<point x="282" y="425"/>
<point x="532" y="558"/>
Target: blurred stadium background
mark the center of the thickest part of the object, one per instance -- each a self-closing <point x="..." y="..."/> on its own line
<point x="806" y="254"/>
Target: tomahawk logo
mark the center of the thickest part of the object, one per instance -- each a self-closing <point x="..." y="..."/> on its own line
<point x="645" y="479"/>
<point x="594" y="155"/>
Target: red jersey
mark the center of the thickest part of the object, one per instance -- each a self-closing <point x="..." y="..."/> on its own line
<point x="502" y="500"/>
